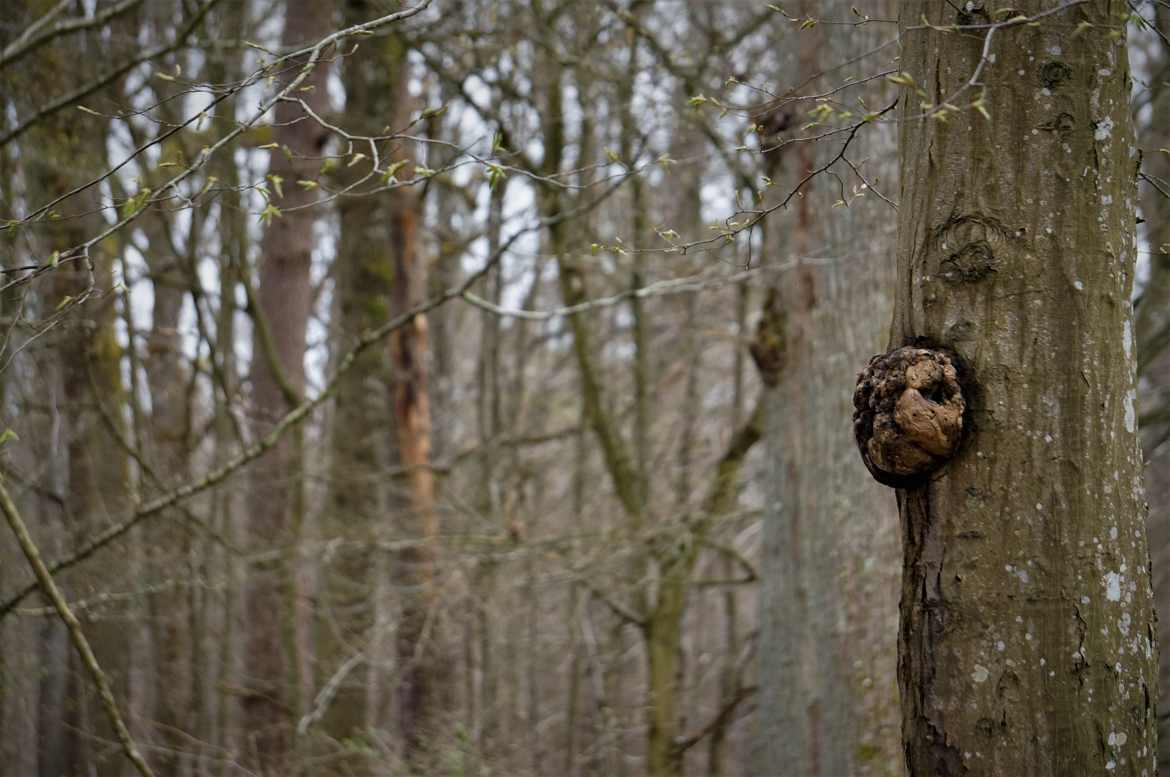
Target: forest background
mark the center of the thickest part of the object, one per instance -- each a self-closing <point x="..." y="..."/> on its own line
<point x="465" y="387"/>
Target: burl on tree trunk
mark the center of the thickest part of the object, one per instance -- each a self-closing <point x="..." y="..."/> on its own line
<point x="908" y="415"/>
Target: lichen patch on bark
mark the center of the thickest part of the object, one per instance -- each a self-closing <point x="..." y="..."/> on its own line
<point x="908" y="414"/>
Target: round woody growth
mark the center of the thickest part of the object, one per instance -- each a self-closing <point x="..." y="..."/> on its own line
<point x="908" y="414"/>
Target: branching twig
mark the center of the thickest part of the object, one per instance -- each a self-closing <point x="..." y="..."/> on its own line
<point x="53" y="594"/>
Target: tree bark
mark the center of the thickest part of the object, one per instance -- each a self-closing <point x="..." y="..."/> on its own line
<point x="1027" y="636"/>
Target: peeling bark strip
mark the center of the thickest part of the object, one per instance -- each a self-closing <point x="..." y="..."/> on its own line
<point x="1026" y="639"/>
<point x="908" y="414"/>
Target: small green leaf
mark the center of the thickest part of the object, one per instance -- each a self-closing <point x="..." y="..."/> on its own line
<point x="7" y="435"/>
<point x="495" y="174"/>
<point x="268" y="213"/>
<point x="135" y="203"/>
<point x="392" y="169"/>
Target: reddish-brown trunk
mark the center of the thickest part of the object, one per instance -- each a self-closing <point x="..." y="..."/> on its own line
<point x="417" y="642"/>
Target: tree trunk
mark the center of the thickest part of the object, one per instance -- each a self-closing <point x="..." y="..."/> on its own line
<point x="1152" y="330"/>
<point x="276" y="484"/>
<point x="374" y="80"/>
<point x="830" y="558"/>
<point x="1026" y="644"/>
<point x="91" y="468"/>
<point x="420" y="664"/>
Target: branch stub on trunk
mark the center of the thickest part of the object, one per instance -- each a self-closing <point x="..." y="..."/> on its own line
<point x="908" y="414"/>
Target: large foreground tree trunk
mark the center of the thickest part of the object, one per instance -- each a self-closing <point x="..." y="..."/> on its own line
<point x="1027" y="633"/>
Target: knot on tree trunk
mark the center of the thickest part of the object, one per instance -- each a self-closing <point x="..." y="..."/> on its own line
<point x="768" y="349"/>
<point x="908" y="414"/>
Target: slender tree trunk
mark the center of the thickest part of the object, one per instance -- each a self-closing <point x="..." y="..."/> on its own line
<point x="270" y="662"/>
<point x="374" y="79"/>
<point x="420" y="663"/>
<point x="1027" y="637"/>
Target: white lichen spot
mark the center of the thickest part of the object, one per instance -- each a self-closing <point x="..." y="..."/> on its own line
<point x="1079" y="285"/>
<point x="1000" y="646"/>
<point x="1110" y="765"/>
<point x="1106" y="199"/>
<point x="1124" y="623"/>
<point x="1112" y="586"/>
<point x="1084" y="600"/>
<point x="980" y="674"/>
<point x="1130" y="411"/>
<point x="1048" y="438"/>
<point x="1055" y="51"/>
<point x="1112" y="532"/>
<point x="1104" y="129"/>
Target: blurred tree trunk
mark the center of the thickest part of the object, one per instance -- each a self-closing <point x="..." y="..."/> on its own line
<point x="59" y="154"/>
<point x="22" y="661"/>
<point x="374" y="80"/>
<point x="421" y="664"/>
<point x="827" y="697"/>
<point x="1152" y="329"/>
<point x="1027" y="633"/>
<point x="276" y="491"/>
